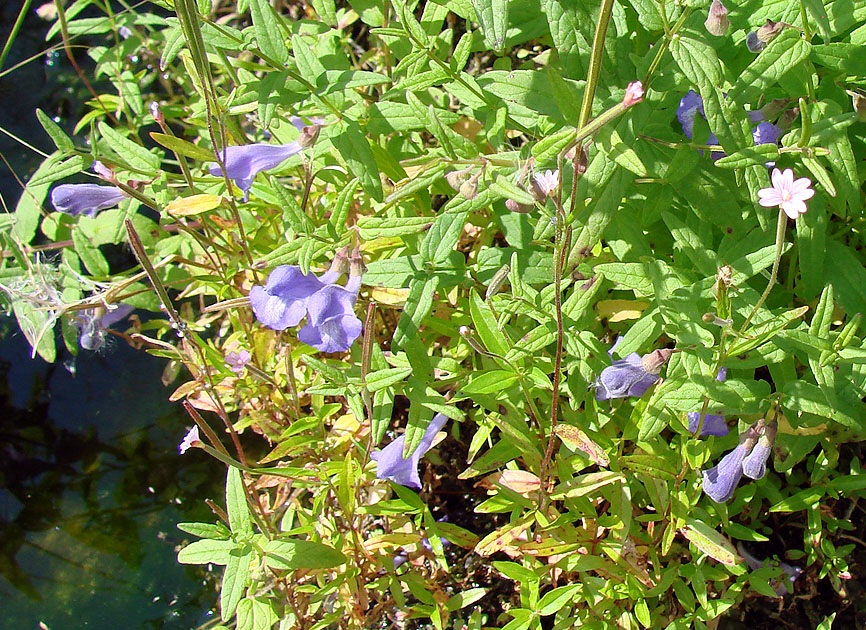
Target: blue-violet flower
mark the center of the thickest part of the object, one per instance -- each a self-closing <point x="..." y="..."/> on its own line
<point x="282" y="302"/>
<point x="86" y="199"/>
<point x="713" y="424"/>
<point x="390" y="463"/>
<point x="93" y="322"/>
<point x="630" y="376"/>
<point x="244" y="162"/>
<point x="692" y="104"/>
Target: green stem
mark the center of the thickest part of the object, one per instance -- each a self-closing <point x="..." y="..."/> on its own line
<point x="595" y="61"/>
<point x="780" y="243"/>
<point x="14" y="32"/>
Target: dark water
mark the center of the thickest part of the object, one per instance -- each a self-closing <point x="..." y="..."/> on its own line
<point x="91" y="483"/>
<point x="92" y="486"/>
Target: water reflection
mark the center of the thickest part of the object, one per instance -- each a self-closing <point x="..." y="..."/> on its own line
<point x="91" y="489"/>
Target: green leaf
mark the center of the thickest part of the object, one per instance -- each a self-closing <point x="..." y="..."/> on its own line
<point x="803" y="500"/>
<point x="505" y="188"/>
<point x="484" y="321"/>
<point x="380" y="379"/>
<point x="90" y="255"/>
<point x="804" y="397"/>
<point x="236" y="504"/>
<point x="554" y="600"/>
<point x="326" y="10"/>
<point x="816" y="11"/>
<point x="782" y="54"/>
<point x="182" y="147"/>
<point x="490" y="382"/>
<point x="268" y="33"/>
<point x="301" y="554"/>
<point x="129" y="152"/>
<point x="342" y="80"/>
<point x="418" y="305"/>
<point x="732" y="396"/>
<point x="711" y="542"/>
<point x="308" y="63"/>
<point x="388" y="227"/>
<point x="207" y="551"/>
<point x="750" y="155"/>
<point x="216" y="531"/>
<point x="355" y="149"/>
<point x="234" y="582"/>
<point x="493" y="15"/>
<point x="763" y="332"/>
<point x="62" y="141"/>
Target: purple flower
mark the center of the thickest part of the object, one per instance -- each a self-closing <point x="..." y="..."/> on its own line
<point x="630" y="376"/>
<point x="332" y="325"/>
<point x="190" y="440"/>
<point x="755" y="463"/>
<point x="390" y="462"/>
<point x="692" y="104"/>
<point x="237" y="360"/>
<point x="721" y="480"/>
<point x="93" y="324"/>
<point x="282" y="302"/>
<point x="244" y="162"/>
<point x="86" y="199"/>
<point x="713" y="424"/>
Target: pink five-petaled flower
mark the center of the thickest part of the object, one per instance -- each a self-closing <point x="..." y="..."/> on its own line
<point x="237" y="360"/>
<point x="190" y="440"/>
<point x="546" y="183"/>
<point x="787" y="193"/>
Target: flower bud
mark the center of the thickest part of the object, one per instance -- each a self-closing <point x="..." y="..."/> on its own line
<point x="754" y="44"/>
<point x="859" y="103"/>
<point x="513" y="206"/>
<point x="634" y="94"/>
<point x="469" y="188"/>
<point x="456" y="178"/>
<point x="717" y="21"/>
<point x="308" y="136"/>
<point x="769" y="31"/>
<point x="654" y="361"/>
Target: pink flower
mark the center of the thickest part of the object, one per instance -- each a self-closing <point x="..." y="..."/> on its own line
<point x="547" y="182"/>
<point x="634" y="94"/>
<point x="190" y="440"/>
<point x="787" y="193"/>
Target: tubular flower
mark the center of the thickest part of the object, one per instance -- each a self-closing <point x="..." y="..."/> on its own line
<point x="244" y="162"/>
<point x="755" y="464"/>
<point x="390" y="463"/>
<point x="282" y="302"/>
<point x="713" y="424"/>
<point x="190" y="440"/>
<point x="86" y="199"/>
<point x="630" y="376"/>
<point x="692" y="104"/>
<point x="787" y="193"/>
<point x="332" y="325"/>
<point x="93" y="322"/>
<point x="721" y="481"/>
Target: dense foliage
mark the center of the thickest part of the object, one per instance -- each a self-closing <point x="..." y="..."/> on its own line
<point x="398" y="240"/>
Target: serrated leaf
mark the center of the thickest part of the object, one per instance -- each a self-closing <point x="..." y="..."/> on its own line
<point x="484" y="322"/>
<point x="269" y="36"/>
<point x="388" y="227"/>
<point x="380" y="379"/>
<point x="493" y="15"/>
<point x="234" y="582"/>
<point x="750" y="155"/>
<point x="62" y="141"/>
<point x="490" y="382"/>
<point x="355" y="149"/>
<point x="781" y="55"/>
<point x="130" y="152"/>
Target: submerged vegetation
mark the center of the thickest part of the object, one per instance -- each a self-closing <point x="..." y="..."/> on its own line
<point x="542" y="314"/>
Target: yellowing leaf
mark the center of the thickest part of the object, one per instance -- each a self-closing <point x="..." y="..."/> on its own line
<point x="391" y="297"/>
<point x="711" y="542"/>
<point x="520" y="481"/>
<point x="577" y="440"/>
<point x="621" y="310"/>
<point x="188" y="206"/>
